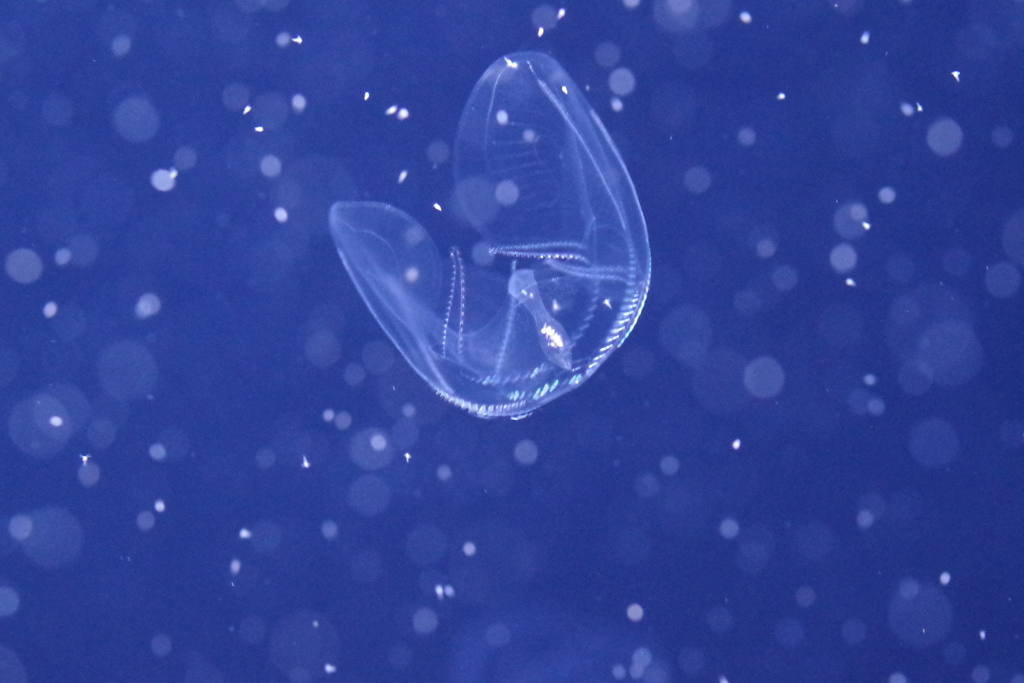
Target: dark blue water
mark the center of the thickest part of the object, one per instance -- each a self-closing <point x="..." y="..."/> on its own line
<point x="804" y="464"/>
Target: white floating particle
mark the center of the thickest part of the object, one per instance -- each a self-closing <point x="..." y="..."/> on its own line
<point x="330" y="668"/>
<point x="865" y="38"/>
<point x="865" y="225"/>
<point x="745" y="17"/>
<point x="408" y="457"/>
<point x="437" y="206"/>
<point x="956" y="75"/>
<point x="281" y="214"/>
<point x="781" y="96"/>
<point x="159" y="505"/>
<point x="258" y="129"/>
<point x="635" y="612"/>
<point x="305" y="462"/>
<point x="236" y="566"/>
<point x="366" y="95"/>
<point x="565" y="90"/>
<point x="297" y="40"/>
<point x="298" y="103"/>
<point x="561" y="13"/>
<point x="850" y="282"/>
<point x="163" y="179"/>
<point x="390" y="111"/>
<point x="540" y="32"/>
<point x="402" y="176"/>
<point x="244" y="534"/>
<point x="49" y="309"/>
<point x="248" y="108"/>
<point x="147" y="306"/>
<point x="944" y="578"/>
<point x="403" y="114"/>
<point x="736" y="443"/>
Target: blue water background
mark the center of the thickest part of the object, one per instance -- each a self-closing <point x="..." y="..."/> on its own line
<point x="795" y="469"/>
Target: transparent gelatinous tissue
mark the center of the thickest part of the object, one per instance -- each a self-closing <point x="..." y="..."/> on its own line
<point x="566" y="263"/>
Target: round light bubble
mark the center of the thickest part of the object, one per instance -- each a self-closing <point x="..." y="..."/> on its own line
<point x="843" y="258"/>
<point x="438" y="152"/>
<point x="920" y="615"/>
<point x="1002" y="136"/>
<point x="544" y="17"/>
<point x="506" y="192"/>
<point x="763" y="377"/>
<point x="270" y="110"/>
<point x="933" y="442"/>
<point x="951" y="350"/>
<point x="718" y="381"/>
<point x="621" y="81"/>
<point x="854" y="631"/>
<point x="607" y="55"/>
<point x="55" y="539"/>
<point x="697" y="179"/>
<point x="303" y="644"/>
<point x="160" y="645"/>
<point x="369" y="495"/>
<point x="944" y="137"/>
<point x="1002" y="280"/>
<point x="686" y="334"/>
<point x="42" y="424"/>
<point x="784" y="278"/>
<point x="126" y="370"/>
<point x="9" y="603"/>
<point x="23" y="266"/>
<point x="11" y="668"/>
<point x="136" y="119"/>
<point x="370" y="449"/>
<point x="754" y="550"/>
<point x="1013" y="237"/>
<point x="322" y="348"/>
<point x="789" y="632"/>
<point x="424" y="621"/>
<point x="850" y="220"/>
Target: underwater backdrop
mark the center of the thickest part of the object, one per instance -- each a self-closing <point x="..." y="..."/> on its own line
<point x="803" y="463"/>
